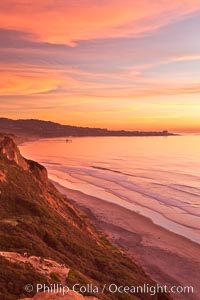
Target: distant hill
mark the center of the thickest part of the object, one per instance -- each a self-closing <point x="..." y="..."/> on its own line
<point x="47" y="129"/>
<point x="45" y="239"/>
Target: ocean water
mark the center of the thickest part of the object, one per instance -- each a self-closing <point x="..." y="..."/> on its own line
<point x="158" y="177"/>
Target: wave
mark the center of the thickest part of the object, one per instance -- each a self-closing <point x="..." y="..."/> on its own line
<point x="128" y="188"/>
<point x="157" y="217"/>
<point x="119" y="172"/>
<point x="160" y="183"/>
<point x="145" y="188"/>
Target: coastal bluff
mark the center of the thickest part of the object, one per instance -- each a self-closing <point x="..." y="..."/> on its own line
<point x="45" y="240"/>
<point x="33" y="128"/>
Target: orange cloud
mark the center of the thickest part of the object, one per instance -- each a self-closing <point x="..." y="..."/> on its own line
<point x="113" y="81"/>
<point x="59" y="21"/>
<point x="29" y="83"/>
<point x="186" y="57"/>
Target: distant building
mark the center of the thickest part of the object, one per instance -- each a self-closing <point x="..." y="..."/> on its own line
<point x="165" y="132"/>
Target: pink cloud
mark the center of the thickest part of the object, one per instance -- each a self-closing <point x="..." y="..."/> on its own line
<point x="65" y="22"/>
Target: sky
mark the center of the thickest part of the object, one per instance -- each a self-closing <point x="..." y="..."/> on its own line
<point x="117" y="64"/>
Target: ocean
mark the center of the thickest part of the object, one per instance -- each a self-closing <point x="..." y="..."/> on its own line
<point x="157" y="177"/>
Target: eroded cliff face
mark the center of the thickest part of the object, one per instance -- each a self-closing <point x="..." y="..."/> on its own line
<point x="36" y="221"/>
<point x="9" y="149"/>
<point x="57" y="296"/>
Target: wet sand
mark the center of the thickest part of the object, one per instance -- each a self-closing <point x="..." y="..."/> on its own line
<point x="170" y="259"/>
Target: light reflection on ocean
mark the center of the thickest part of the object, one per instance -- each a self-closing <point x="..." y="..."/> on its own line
<point x="158" y="177"/>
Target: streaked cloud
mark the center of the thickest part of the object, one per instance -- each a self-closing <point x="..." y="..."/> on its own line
<point x="126" y="62"/>
<point x="63" y="21"/>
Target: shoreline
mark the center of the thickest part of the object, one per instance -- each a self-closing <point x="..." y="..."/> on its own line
<point x="167" y="257"/>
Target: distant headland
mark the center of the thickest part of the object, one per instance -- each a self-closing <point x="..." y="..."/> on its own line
<point x="48" y="129"/>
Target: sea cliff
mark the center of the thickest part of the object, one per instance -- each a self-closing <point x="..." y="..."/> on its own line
<point x="44" y="239"/>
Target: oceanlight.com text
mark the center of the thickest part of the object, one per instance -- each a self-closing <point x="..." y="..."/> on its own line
<point x="109" y="288"/>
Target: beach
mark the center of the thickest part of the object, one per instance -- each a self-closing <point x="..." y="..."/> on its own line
<point x="156" y="177"/>
<point x="169" y="258"/>
<point x="142" y="192"/>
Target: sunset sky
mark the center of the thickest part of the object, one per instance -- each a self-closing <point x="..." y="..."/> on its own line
<point x="120" y="64"/>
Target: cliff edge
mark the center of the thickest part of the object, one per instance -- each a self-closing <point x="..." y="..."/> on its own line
<point x="45" y="240"/>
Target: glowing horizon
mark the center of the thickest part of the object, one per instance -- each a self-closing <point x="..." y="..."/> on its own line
<point x="131" y="65"/>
